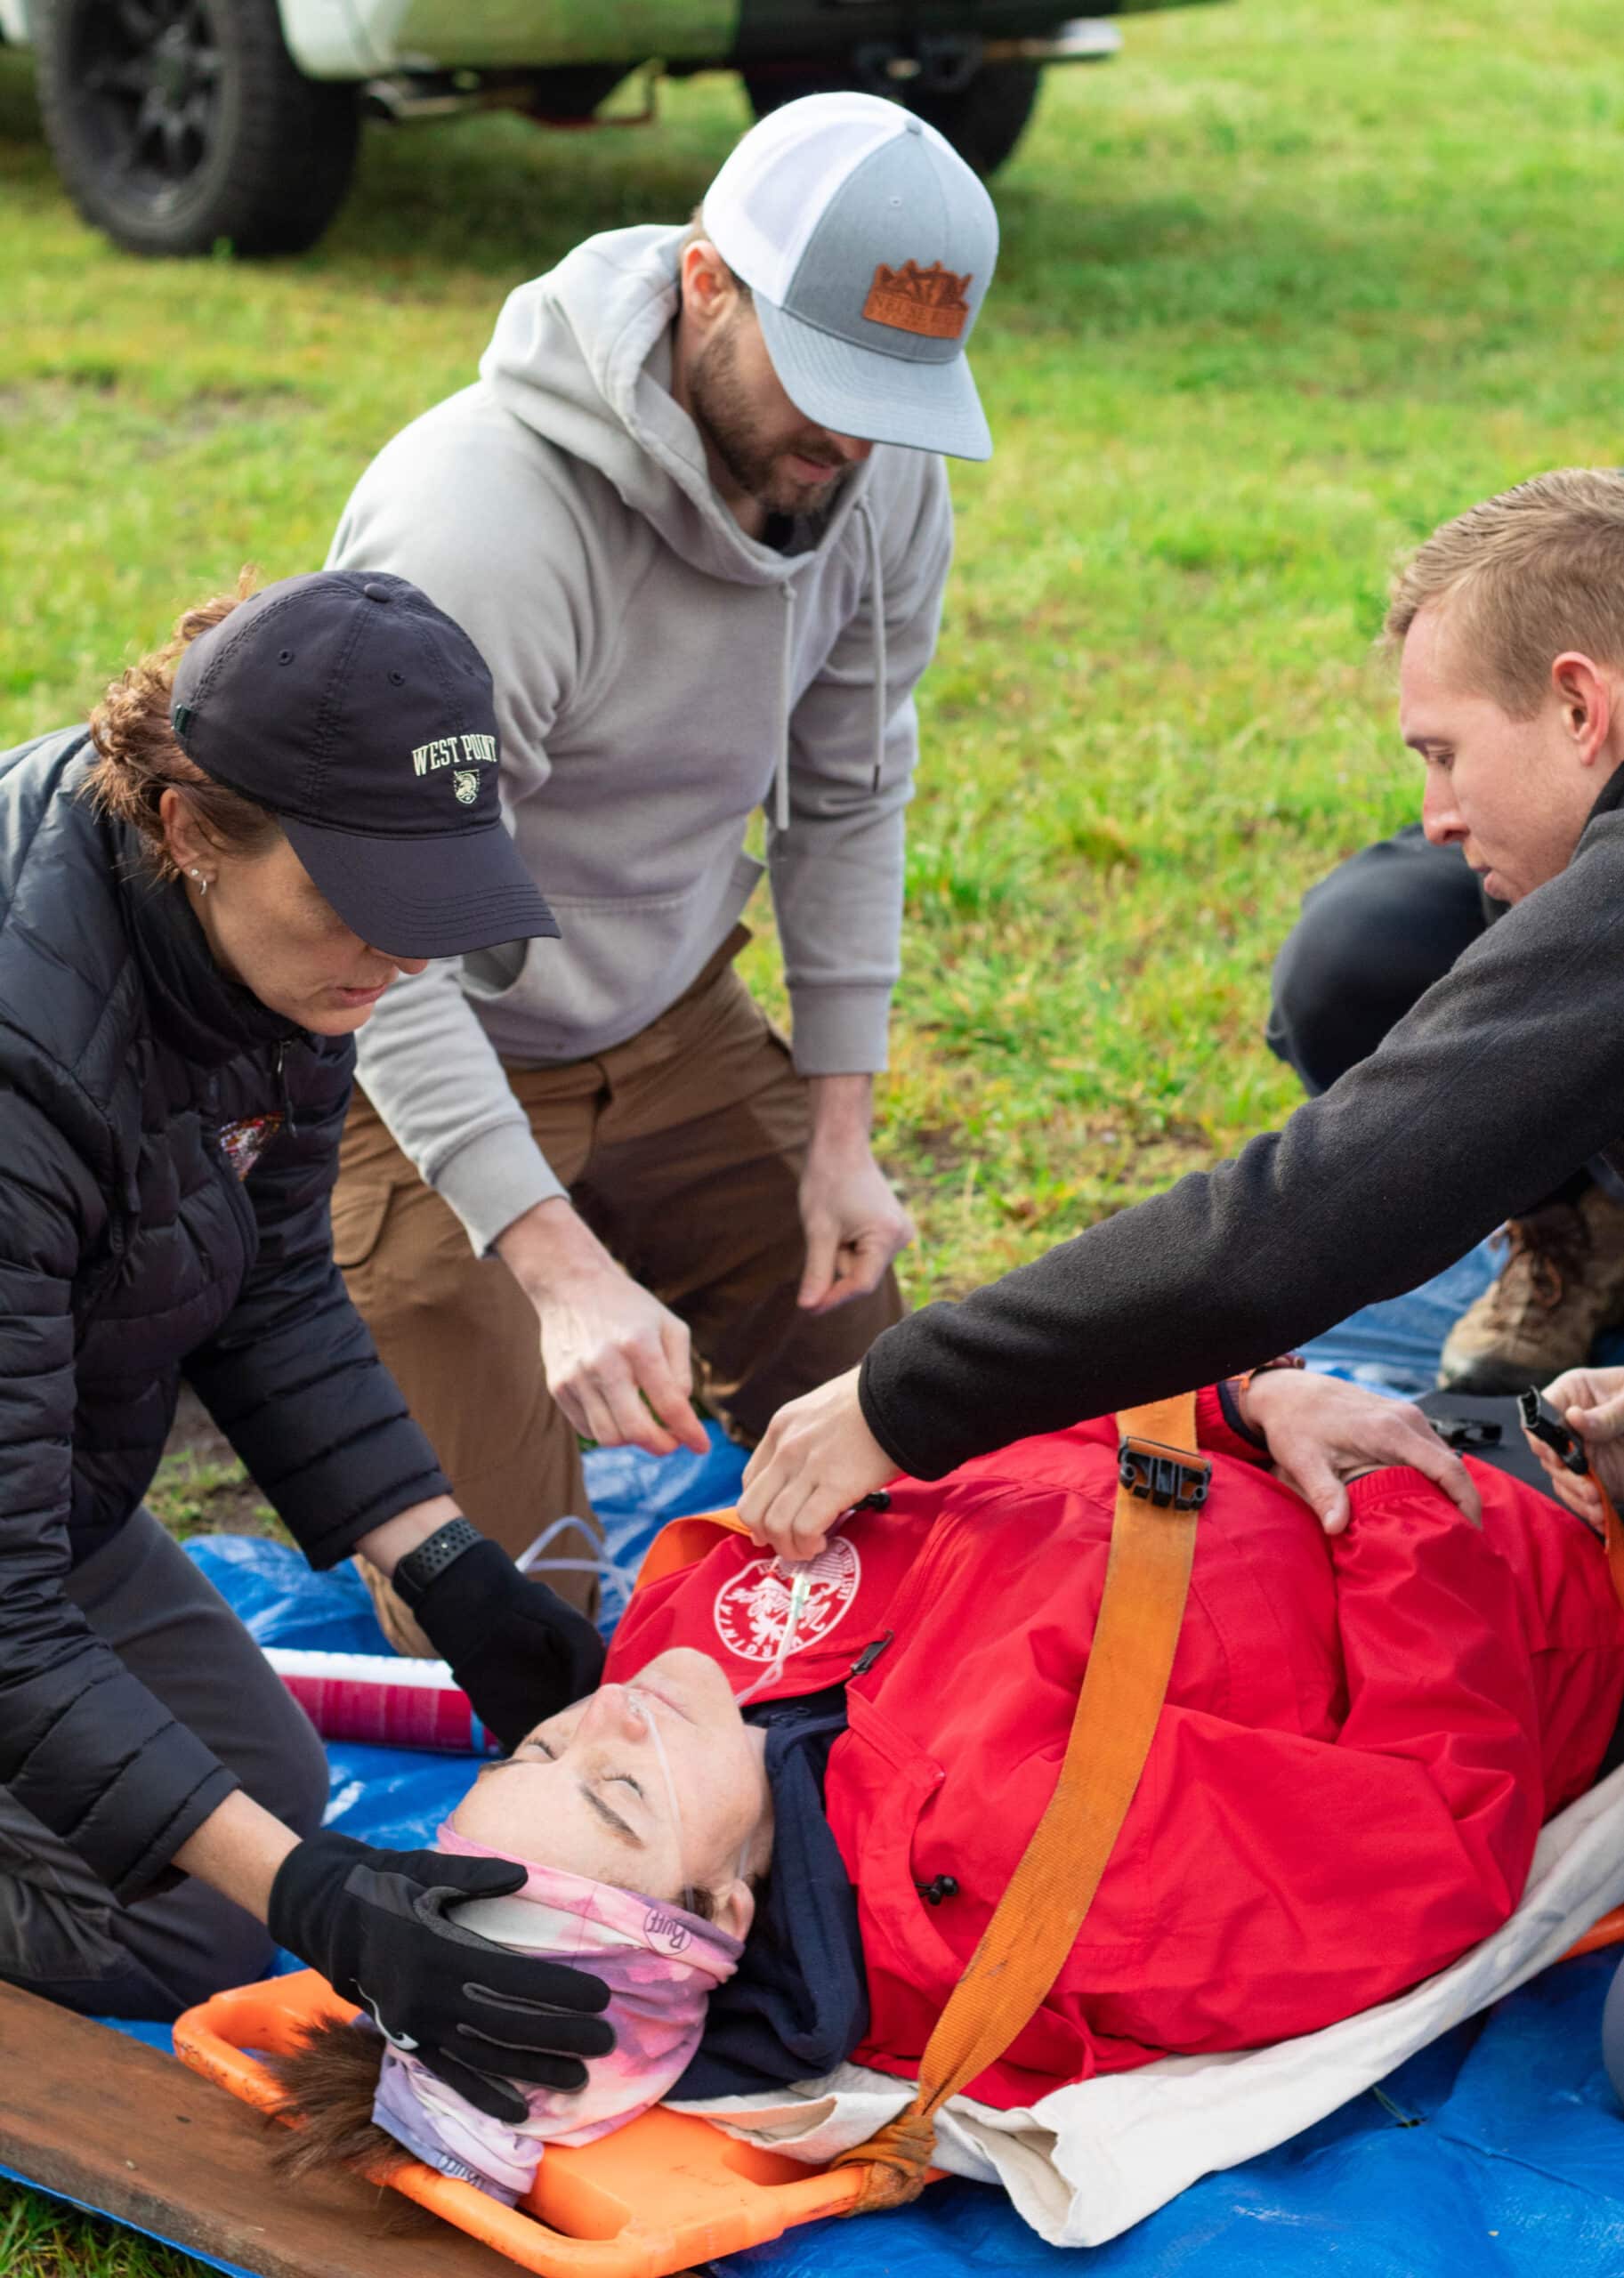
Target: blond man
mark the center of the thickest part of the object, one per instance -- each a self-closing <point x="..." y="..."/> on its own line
<point x="1503" y="1079"/>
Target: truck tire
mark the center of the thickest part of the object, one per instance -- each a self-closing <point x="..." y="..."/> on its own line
<point x="983" y="120"/>
<point x="181" y="125"/>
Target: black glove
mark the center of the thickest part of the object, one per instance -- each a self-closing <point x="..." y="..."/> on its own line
<point x="519" y="1652"/>
<point x="376" y="1924"/>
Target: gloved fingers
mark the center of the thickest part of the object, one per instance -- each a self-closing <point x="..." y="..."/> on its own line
<point x="468" y="1878"/>
<point x="546" y="2068"/>
<point x="496" y="2098"/>
<point x="533" y="2019"/>
<point x="509" y="1980"/>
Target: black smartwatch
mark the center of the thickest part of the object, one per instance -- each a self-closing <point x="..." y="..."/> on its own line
<point x="415" y="1574"/>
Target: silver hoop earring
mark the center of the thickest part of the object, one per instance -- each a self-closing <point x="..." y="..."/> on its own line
<point x="202" y="881"/>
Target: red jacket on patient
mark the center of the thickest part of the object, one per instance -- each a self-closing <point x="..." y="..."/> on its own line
<point x="1362" y="1737"/>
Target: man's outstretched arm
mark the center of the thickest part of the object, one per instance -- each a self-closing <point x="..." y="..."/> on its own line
<point x="1505" y="1077"/>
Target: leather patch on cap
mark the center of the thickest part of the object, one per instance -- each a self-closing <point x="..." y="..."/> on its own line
<point x="926" y="301"/>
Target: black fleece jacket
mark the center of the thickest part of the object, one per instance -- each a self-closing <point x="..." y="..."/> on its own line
<point x="167" y="1148"/>
<point x="1503" y="1079"/>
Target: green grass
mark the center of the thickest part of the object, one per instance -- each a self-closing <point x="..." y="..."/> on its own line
<point x="195" y="1494"/>
<point x="1280" y="290"/>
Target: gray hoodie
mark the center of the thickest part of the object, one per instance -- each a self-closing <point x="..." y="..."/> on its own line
<point x="660" y="674"/>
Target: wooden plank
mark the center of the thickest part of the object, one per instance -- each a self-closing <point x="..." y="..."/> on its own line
<point x="102" y="2118"/>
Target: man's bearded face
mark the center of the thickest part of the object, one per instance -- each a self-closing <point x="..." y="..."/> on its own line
<point x="775" y="454"/>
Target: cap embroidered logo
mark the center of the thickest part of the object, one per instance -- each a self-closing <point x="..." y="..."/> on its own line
<point x="466" y="785"/>
<point x="930" y="302"/>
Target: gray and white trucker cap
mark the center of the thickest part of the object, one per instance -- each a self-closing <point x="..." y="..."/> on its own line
<point x="869" y="245"/>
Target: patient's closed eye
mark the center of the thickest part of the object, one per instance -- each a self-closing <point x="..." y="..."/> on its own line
<point x="623" y="1778"/>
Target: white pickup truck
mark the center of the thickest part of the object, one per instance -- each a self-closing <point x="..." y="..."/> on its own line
<point x="181" y="125"/>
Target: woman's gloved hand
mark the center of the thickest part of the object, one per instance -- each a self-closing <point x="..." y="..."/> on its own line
<point x="519" y="1652"/>
<point x="376" y="1924"/>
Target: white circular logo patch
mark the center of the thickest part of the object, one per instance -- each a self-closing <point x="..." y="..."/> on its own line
<point x="753" y="1609"/>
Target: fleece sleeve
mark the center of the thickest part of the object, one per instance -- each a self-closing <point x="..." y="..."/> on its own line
<point x="84" y="1746"/>
<point x="837" y="872"/>
<point x="1503" y="1080"/>
<point x="1335" y="1873"/>
<point x="437" y="505"/>
<point x="292" y="1377"/>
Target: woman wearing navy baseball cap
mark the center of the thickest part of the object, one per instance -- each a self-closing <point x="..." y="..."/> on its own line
<point x="202" y="895"/>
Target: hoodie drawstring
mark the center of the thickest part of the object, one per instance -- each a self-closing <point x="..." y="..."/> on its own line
<point x="876" y="604"/>
<point x="882" y="702"/>
<point x="786" y="701"/>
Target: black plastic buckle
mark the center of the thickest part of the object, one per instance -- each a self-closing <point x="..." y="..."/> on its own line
<point x="1541" y="1421"/>
<point x="1166" y="1476"/>
<point x="1466" y="1432"/>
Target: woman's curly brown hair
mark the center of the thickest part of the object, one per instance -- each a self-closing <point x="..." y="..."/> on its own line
<point x="138" y="758"/>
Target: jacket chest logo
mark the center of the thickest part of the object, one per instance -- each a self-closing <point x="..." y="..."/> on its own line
<point x="752" y="1609"/>
<point x="243" y="1143"/>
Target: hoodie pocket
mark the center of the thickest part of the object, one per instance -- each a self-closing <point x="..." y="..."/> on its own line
<point x="620" y="962"/>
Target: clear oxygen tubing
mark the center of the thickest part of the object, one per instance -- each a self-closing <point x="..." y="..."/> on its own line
<point x="800" y="1586"/>
<point x="644" y="1704"/>
<point x="801" y="1572"/>
<point x="531" y="1560"/>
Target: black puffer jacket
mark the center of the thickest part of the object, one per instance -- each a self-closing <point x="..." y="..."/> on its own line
<point x="166" y="1151"/>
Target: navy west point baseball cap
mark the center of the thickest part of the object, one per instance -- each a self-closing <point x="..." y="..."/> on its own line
<point x="868" y="246"/>
<point x="365" y="721"/>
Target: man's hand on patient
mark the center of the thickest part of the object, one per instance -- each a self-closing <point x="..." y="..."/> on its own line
<point x="1321" y="1432"/>
<point x="378" y="1925"/>
<point x="618" y="1361"/>
<point x="853" y="1223"/>
<point x="817" y="1458"/>
<point x="1590" y="1401"/>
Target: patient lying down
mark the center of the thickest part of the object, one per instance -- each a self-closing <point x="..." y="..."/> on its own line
<point x="660" y="1781"/>
<point x="1360" y="1740"/>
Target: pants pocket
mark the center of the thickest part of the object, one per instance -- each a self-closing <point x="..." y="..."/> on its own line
<point x="359" y="1207"/>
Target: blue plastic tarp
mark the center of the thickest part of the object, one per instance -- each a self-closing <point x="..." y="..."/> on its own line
<point x="1499" y="2150"/>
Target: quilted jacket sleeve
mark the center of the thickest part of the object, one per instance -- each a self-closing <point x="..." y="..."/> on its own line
<point x="84" y="1746"/>
<point x="292" y="1377"/>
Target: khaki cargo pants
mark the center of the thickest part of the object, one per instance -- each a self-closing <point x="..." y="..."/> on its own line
<point x="683" y="1149"/>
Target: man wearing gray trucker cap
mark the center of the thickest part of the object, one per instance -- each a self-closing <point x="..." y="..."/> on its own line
<point x="695" y="516"/>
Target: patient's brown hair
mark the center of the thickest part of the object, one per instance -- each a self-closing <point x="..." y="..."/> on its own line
<point x="329" y="2083"/>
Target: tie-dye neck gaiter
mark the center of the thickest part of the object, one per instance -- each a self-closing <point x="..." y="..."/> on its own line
<point x="660" y="1965"/>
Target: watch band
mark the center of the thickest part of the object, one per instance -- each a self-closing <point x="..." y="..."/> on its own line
<point x="420" y="1569"/>
<point x="1268" y="1368"/>
<point x="1232" y="1388"/>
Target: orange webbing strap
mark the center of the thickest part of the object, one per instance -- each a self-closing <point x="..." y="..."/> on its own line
<point x="1036" y="1923"/>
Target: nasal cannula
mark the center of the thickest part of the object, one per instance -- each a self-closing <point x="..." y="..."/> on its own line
<point x="800" y="1590"/>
